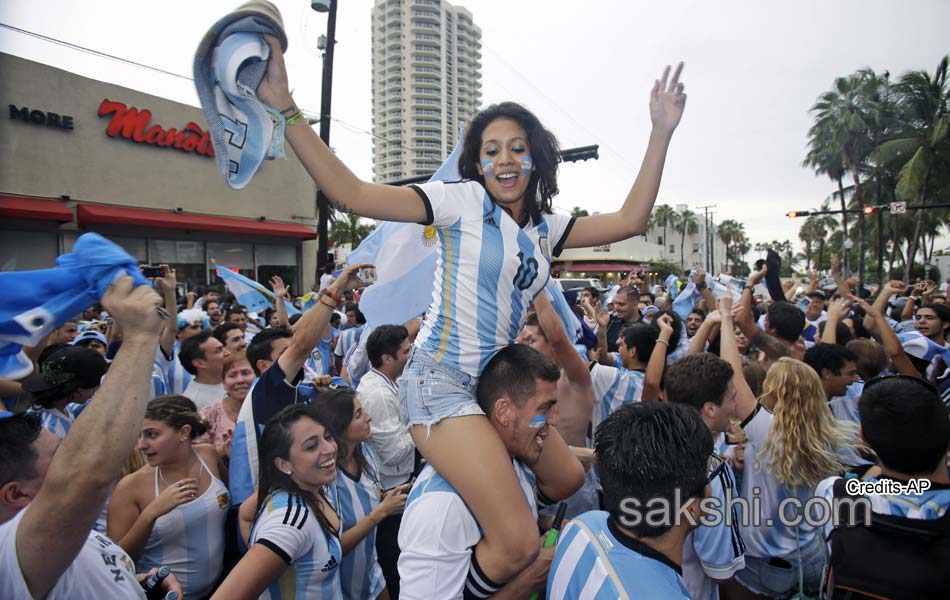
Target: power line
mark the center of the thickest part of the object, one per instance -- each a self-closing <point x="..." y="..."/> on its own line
<point x="99" y="53"/>
<point x="349" y="126"/>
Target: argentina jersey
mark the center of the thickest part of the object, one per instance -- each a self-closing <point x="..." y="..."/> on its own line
<point x="612" y="389"/>
<point x="360" y="573"/>
<point x="288" y="527"/>
<point x="320" y="361"/>
<point x="488" y="271"/>
<point x="594" y="560"/>
<point x="56" y="421"/>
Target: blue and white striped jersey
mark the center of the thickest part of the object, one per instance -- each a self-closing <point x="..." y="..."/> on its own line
<point x="613" y="388"/>
<point x="845" y="408"/>
<point x="320" y="361"/>
<point x="360" y="573"/>
<point x="288" y="528"/>
<point x="347" y="339"/>
<point x="176" y="377"/>
<point x="594" y="560"/>
<point x="56" y="421"/>
<point x="488" y="271"/>
<point x="714" y="551"/>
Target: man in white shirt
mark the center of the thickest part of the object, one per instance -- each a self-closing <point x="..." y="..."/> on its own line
<point x="202" y="355"/>
<point x="518" y="392"/>
<point x="52" y="492"/>
<point x="388" y="349"/>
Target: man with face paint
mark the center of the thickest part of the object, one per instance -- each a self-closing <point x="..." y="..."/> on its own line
<point x="518" y="392"/>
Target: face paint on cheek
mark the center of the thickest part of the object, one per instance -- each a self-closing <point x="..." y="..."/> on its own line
<point x="526" y="165"/>
<point x="538" y="422"/>
<point x="488" y="168"/>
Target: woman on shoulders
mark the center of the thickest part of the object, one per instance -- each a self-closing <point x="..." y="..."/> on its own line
<point x="496" y="234"/>
<point x="172" y="511"/>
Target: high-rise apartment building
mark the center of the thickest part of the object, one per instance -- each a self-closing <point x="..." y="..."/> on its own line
<point x="426" y="82"/>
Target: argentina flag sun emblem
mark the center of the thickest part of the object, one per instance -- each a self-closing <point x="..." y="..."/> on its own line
<point x="545" y="248"/>
<point x="428" y="236"/>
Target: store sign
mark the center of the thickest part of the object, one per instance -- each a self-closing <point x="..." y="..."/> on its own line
<point x="39" y="117"/>
<point x="133" y="124"/>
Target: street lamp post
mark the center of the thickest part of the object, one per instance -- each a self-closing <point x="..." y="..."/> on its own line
<point x="326" y="94"/>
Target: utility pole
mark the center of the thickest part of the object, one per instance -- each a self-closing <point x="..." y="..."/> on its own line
<point x="709" y="266"/>
<point x="326" y="95"/>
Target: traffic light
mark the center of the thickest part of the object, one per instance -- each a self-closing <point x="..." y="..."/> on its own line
<point x="869" y="210"/>
<point x="796" y="213"/>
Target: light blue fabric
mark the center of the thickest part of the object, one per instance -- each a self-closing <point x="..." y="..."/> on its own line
<point x="405" y="262"/>
<point x="230" y="62"/>
<point x="36" y="302"/>
<point x="250" y="293"/>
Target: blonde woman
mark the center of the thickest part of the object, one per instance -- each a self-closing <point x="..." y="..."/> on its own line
<point x="790" y="449"/>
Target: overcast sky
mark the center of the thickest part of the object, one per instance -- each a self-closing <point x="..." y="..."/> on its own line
<point x="753" y="69"/>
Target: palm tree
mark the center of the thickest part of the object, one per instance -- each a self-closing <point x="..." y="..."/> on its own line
<point x="806" y="233"/>
<point x="686" y="224"/>
<point x="922" y="144"/>
<point x="822" y="225"/>
<point x="664" y="216"/>
<point x="730" y="232"/>
<point x="347" y="228"/>
<point x="847" y="122"/>
<point x="577" y="211"/>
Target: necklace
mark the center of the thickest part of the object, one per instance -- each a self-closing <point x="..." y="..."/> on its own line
<point x="187" y="471"/>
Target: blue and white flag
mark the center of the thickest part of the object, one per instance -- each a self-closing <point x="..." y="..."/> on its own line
<point x="672" y="285"/>
<point x="920" y="346"/>
<point x="684" y="300"/>
<point x="36" y="302"/>
<point x="723" y="284"/>
<point x="250" y="293"/>
<point x="405" y="256"/>
<point x="572" y="325"/>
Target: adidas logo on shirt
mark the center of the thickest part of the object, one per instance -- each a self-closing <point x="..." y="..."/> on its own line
<point x="331" y="564"/>
<point x="491" y="221"/>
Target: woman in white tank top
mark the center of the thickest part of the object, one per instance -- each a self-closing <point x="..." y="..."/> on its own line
<point x="172" y="511"/>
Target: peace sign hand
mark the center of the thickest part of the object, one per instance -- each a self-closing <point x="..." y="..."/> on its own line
<point x="667" y="101"/>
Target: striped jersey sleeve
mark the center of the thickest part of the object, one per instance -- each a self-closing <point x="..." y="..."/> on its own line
<point x="612" y="389"/>
<point x="360" y="573"/>
<point x="488" y="270"/>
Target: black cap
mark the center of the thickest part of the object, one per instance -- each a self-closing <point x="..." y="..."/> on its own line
<point x="72" y="363"/>
<point x="816" y="294"/>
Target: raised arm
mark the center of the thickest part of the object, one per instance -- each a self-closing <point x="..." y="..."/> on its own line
<point x="812" y="281"/>
<point x="911" y="305"/>
<point x="281" y="295"/>
<point x="667" y="101"/>
<point x="603" y="356"/>
<point x="838" y="310"/>
<point x="708" y="329"/>
<point x="89" y="460"/>
<point x="729" y="352"/>
<point x="657" y="362"/>
<point x="168" y="284"/>
<point x="892" y="344"/>
<point x="311" y="326"/>
<point x="345" y="190"/>
<point x="843" y="289"/>
<point x="576" y="407"/>
<point x="880" y="303"/>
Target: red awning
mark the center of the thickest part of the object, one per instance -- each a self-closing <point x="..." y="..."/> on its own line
<point x="43" y="209"/>
<point x="119" y="215"/>
<point x="598" y="267"/>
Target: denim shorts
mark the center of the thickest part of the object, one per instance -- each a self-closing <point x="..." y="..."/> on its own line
<point x="779" y="581"/>
<point x="430" y="391"/>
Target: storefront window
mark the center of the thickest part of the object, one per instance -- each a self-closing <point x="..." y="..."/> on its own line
<point x="278" y="260"/>
<point x="230" y="255"/>
<point x="27" y="250"/>
<point x="185" y="256"/>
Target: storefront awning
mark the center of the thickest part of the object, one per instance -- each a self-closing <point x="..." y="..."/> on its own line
<point x="119" y="215"/>
<point x="597" y="267"/>
<point x="43" y="209"/>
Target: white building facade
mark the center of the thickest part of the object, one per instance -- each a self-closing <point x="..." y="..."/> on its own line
<point x="426" y="83"/>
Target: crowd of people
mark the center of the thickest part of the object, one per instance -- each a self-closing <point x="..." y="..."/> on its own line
<point x="695" y="451"/>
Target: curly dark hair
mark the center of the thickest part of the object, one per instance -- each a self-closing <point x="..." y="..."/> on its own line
<point x="545" y="153"/>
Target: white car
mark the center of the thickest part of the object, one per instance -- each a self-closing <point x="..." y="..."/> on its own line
<point x="576" y="285"/>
